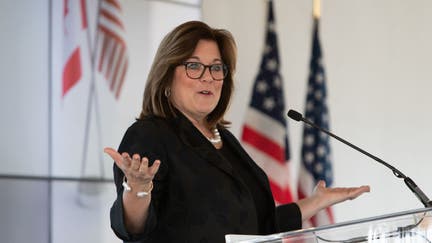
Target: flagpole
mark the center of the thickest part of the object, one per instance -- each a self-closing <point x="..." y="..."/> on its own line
<point x="316" y="83"/>
<point x="92" y="97"/>
<point x="92" y="100"/>
<point x="50" y="123"/>
<point x="316" y="9"/>
<point x="89" y="105"/>
<point x="98" y="123"/>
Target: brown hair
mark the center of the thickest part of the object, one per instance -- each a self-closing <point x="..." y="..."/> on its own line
<point x="177" y="46"/>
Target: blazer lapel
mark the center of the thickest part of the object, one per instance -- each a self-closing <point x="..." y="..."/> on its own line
<point x="257" y="171"/>
<point x="193" y="138"/>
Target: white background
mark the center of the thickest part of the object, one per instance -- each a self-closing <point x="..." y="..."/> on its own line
<point x="377" y="59"/>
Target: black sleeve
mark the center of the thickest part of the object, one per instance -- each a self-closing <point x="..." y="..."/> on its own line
<point x="141" y="138"/>
<point x="288" y="217"/>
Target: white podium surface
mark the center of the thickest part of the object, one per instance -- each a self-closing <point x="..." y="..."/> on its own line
<point x="407" y="226"/>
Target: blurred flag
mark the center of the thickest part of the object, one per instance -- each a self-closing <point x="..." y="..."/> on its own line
<point x="91" y="38"/>
<point x="112" y="51"/>
<point x="110" y="60"/>
<point x="71" y="74"/>
<point x="316" y="162"/>
<point x="265" y="130"/>
<point x="74" y="27"/>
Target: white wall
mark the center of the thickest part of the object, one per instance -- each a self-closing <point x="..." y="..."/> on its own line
<point x="376" y="55"/>
<point x="32" y="36"/>
<point x="377" y="59"/>
<point x="24" y="86"/>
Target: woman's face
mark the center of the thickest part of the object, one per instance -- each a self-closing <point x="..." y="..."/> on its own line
<point x="196" y="98"/>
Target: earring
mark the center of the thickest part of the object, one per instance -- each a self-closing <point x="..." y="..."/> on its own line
<point x="167" y="92"/>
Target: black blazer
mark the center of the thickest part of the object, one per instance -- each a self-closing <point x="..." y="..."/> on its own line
<point x="197" y="196"/>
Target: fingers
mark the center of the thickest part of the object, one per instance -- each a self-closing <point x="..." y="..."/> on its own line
<point x="139" y="171"/>
<point x="112" y="153"/>
<point x="155" y="167"/>
<point x="365" y="188"/>
<point x="321" y="183"/>
<point x="349" y="193"/>
<point x="329" y="196"/>
<point x="358" y="191"/>
<point x="127" y="161"/>
<point x="151" y="170"/>
<point x="136" y="162"/>
<point x="135" y="168"/>
<point x="144" y="165"/>
<point x="115" y="156"/>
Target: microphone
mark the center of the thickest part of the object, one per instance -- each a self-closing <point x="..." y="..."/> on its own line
<point x="408" y="181"/>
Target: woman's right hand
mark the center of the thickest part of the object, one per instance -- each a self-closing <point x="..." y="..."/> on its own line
<point x="139" y="178"/>
<point x="136" y="170"/>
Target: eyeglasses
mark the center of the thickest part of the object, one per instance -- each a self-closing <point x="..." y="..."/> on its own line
<point x="195" y="70"/>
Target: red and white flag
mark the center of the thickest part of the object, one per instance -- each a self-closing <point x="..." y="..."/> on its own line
<point x="112" y="53"/>
<point x="74" y="33"/>
<point x="90" y="60"/>
<point x="71" y="72"/>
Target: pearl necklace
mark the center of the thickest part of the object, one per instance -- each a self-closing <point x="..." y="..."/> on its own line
<point x="216" y="137"/>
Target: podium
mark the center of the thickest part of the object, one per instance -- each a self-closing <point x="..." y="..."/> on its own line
<point x="407" y="226"/>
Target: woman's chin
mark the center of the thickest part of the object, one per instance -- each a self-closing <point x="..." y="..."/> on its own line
<point x="205" y="109"/>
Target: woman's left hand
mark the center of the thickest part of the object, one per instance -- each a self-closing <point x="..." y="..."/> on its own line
<point x="323" y="197"/>
<point x="329" y="196"/>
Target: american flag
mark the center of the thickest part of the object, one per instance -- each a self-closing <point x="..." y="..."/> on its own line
<point x="112" y="49"/>
<point x="265" y="129"/>
<point x="316" y="157"/>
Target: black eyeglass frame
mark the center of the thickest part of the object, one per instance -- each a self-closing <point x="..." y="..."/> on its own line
<point x="225" y="70"/>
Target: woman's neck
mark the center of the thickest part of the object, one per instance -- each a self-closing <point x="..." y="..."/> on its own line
<point x="203" y="127"/>
<point x="200" y="123"/>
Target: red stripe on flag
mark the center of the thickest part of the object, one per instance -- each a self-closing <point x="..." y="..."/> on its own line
<point x="114" y="3"/>
<point x="72" y="71"/>
<point x="112" y="35"/>
<point x="121" y="79"/>
<point x="330" y="214"/>
<point x="112" y="18"/>
<point x="119" y="61"/>
<point x="314" y="221"/>
<point x="83" y="14"/>
<point x="300" y="193"/>
<point x="110" y="68"/>
<point x="65" y="7"/>
<point x="263" y="143"/>
<point x="113" y="54"/>
<point x="103" y="51"/>
<point x="281" y="195"/>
